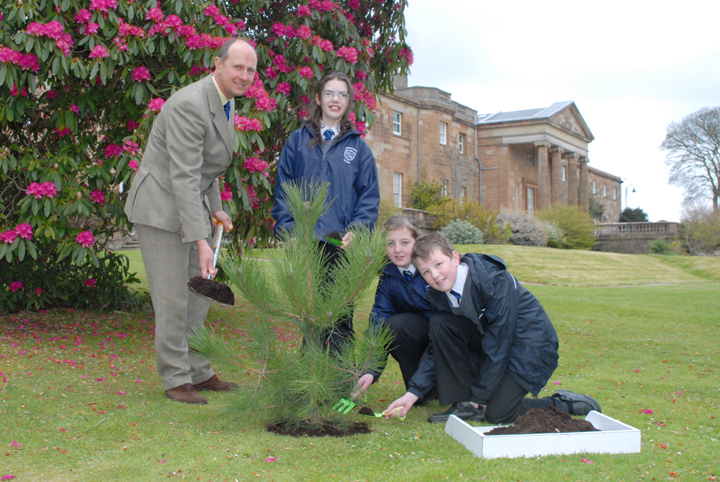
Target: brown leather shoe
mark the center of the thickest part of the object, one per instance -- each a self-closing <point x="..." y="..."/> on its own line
<point x="185" y="393"/>
<point x="214" y="384"/>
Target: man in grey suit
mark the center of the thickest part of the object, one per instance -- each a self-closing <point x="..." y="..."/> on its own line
<point x="173" y="197"/>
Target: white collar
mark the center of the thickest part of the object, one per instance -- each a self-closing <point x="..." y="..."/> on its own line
<point x="462" y="272"/>
<point x="323" y="128"/>
<point x="410" y="268"/>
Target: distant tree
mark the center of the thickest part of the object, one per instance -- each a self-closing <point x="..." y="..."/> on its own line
<point x="700" y="229"/>
<point x="693" y="156"/>
<point x="597" y="210"/>
<point x="636" y="215"/>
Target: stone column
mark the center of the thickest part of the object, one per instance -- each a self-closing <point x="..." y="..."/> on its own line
<point x="543" y="175"/>
<point x="556" y="168"/>
<point x="584" y="184"/>
<point x="572" y="179"/>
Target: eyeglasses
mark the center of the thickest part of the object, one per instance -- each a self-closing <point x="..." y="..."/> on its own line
<point x="331" y="95"/>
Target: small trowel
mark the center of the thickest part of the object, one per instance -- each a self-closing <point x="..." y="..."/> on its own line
<point x="206" y="287"/>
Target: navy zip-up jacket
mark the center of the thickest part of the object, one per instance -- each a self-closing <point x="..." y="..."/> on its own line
<point x="395" y="295"/>
<point x="349" y="167"/>
<point x="517" y="333"/>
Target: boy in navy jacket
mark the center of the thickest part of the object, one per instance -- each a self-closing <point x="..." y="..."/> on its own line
<point x="481" y="312"/>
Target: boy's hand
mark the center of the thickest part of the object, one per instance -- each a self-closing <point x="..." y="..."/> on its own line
<point x="362" y="385"/>
<point x="406" y="402"/>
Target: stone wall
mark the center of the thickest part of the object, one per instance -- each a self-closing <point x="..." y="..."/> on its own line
<point x="633" y="238"/>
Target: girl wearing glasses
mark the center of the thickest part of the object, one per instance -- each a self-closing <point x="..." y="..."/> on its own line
<point x="328" y="148"/>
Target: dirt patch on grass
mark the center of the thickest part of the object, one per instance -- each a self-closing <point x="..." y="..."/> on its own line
<point x="327" y="429"/>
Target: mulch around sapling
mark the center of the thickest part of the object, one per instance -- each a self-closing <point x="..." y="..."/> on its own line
<point x="327" y="429"/>
<point x="214" y="290"/>
<point x="544" y="420"/>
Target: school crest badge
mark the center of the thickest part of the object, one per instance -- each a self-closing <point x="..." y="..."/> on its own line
<point x="350" y="154"/>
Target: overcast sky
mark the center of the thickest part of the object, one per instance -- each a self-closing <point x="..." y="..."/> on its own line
<point x="631" y="67"/>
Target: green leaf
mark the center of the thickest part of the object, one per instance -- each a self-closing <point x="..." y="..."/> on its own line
<point x="21" y="250"/>
<point x="131" y="13"/>
<point x="3" y="74"/>
<point x="31" y="249"/>
<point x="48" y="207"/>
<point x="236" y="141"/>
<point x="94" y="71"/>
<point x="35" y="207"/>
<point x="29" y="44"/>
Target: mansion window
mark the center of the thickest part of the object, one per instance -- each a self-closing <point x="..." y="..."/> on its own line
<point x="461" y="143"/>
<point x="443" y="133"/>
<point x="530" y="153"/>
<point x="614" y="194"/>
<point x="564" y="173"/>
<point x="397" y="189"/>
<point x="443" y="186"/>
<point x="604" y="190"/>
<point x="397" y="123"/>
<point x="594" y="187"/>
<point x="530" y="200"/>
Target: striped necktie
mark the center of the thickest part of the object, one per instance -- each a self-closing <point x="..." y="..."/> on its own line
<point x="407" y="274"/>
<point x="328" y="135"/>
<point x="456" y="295"/>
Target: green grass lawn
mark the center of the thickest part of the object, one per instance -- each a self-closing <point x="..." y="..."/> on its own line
<point x="81" y="399"/>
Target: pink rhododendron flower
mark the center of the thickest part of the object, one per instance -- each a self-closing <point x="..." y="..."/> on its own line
<point x="211" y="11"/>
<point x="156" y="104"/>
<point x="89" y="29"/>
<point x="14" y="92"/>
<point x="221" y="20"/>
<point x="132" y="125"/>
<point x="140" y="74"/>
<point x="99" y="52"/>
<point x="130" y="147"/>
<point x="8" y="237"/>
<point x="246" y="124"/>
<point x="112" y="150"/>
<point x="266" y="103"/>
<point x="253" y="165"/>
<point x="303" y="113"/>
<point x="283" y="88"/>
<point x="350" y="54"/>
<point x="85" y="238"/>
<point x="360" y="75"/>
<point x="83" y="16"/>
<point x="304" y="32"/>
<point x="129" y="30"/>
<point x="306" y="72"/>
<point x="34" y="190"/>
<point x="24" y="230"/>
<point x="155" y="14"/>
<point x="9" y="55"/>
<point x="186" y="30"/>
<point x="354" y="4"/>
<point x="98" y="196"/>
<point x="15" y="285"/>
<point x="103" y="5"/>
<point x="63" y="132"/>
<point x="29" y="62"/>
<point x="75" y="109"/>
<point x="305" y="99"/>
<point x="48" y="189"/>
<point x="303" y="10"/>
<point x="226" y="195"/>
<point x="38" y="291"/>
<point x="352" y="117"/>
<point x="360" y="126"/>
<point x="133" y="165"/>
<point x="173" y="21"/>
<point x="121" y="44"/>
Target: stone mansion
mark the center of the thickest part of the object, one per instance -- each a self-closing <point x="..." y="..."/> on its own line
<point x="522" y="160"/>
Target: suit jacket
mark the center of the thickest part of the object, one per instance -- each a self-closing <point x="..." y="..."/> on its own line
<point x="190" y="146"/>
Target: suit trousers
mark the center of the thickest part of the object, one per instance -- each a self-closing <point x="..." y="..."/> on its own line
<point x="169" y="264"/>
<point x="456" y="341"/>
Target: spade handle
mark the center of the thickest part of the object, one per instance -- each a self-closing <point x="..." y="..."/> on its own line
<point x="216" y="244"/>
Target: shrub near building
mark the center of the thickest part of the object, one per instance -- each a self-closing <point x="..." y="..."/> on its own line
<point x="576" y="224"/>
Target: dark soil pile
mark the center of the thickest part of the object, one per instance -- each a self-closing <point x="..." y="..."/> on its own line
<point x="544" y="420"/>
<point x="366" y="411"/>
<point x="300" y="429"/>
<point x="214" y="290"/>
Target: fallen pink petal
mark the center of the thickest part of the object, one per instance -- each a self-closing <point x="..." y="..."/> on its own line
<point x="15" y="444"/>
<point x="271" y="459"/>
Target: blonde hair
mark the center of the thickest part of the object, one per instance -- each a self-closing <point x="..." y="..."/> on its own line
<point x="399" y="222"/>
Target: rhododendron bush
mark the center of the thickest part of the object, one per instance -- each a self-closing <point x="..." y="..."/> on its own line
<point x="82" y="81"/>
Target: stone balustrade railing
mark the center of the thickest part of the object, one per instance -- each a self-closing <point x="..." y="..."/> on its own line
<point x="661" y="229"/>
